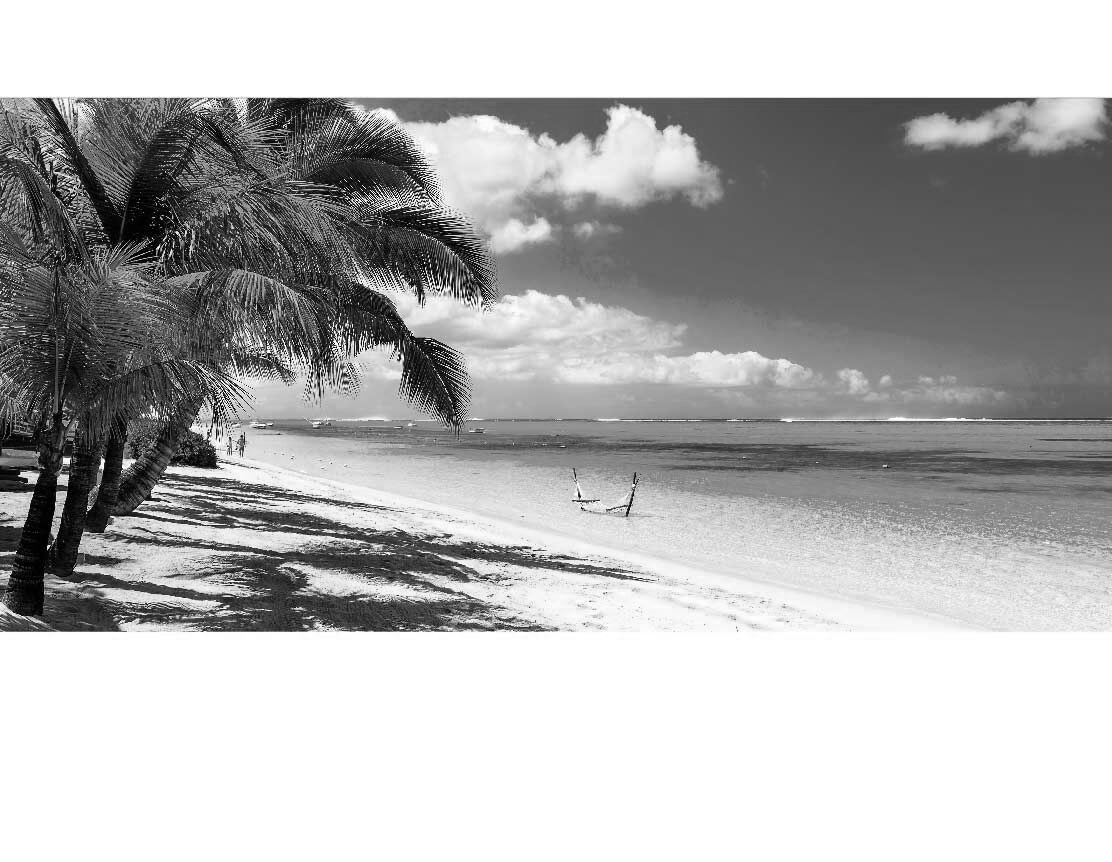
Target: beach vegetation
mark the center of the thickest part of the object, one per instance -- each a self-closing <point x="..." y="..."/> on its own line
<point x="193" y="449"/>
<point x="156" y="251"/>
<point x="88" y="335"/>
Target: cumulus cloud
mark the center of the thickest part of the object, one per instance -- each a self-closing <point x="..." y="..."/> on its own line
<point x="541" y="321"/>
<point x="854" y="381"/>
<point x="933" y="391"/>
<point x="632" y="163"/>
<point x="514" y="234"/>
<point x="556" y="339"/>
<point x="495" y="171"/>
<point x="538" y="336"/>
<point x="1041" y="126"/>
<point x="705" y="368"/>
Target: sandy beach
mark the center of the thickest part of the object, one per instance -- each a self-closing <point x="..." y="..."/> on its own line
<point x="998" y="526"/>
<point x="252" y="546"/>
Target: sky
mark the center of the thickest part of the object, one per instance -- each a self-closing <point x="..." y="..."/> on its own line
<point x="837" y="258"/>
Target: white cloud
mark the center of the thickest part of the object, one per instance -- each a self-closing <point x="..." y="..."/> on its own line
<point x="495" y="171"/>
<point x="514" y="235"/>
<point x="1041" y="126"/>
<point x="555" y="339"/>
<point x="540" y="320"/>
<point x="633" y="163"/>
<point x="854" y="381"/>
<point x="931" y="391"/>
<point x="537" y="336"/>
<point x="590" y="229"/>
<point x="706" y="368"/>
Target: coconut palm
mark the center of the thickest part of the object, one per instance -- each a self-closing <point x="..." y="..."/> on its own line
<point x="52" y="225"/>
<point x="357" y="205"/>
<point x="260" y="205"/>
<point x="85" y="340"/>
<point x="273" y="329"/>
<point x="196" y="321"/>
<point x="307" y="193"/>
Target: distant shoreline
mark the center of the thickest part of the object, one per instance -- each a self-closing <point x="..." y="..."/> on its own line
<point x="421" y="420"/>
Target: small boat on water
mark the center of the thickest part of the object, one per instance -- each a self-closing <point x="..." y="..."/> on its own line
<point x="476" y="431"/>
<point x="410" y="424"/>
<point x="257" y="424"/>
<point x="321" y="423"/>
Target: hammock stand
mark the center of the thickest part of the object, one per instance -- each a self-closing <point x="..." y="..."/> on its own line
<point x="624" y="506"/>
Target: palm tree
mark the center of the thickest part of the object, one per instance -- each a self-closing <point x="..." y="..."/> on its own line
<point x="85" y="340"/>
<point x="357" y="203"/>
<point x="259" y="206"/>
<point x="193" y="324"/>
<point x="433" y="375"/>
<point x="311" y="194"/>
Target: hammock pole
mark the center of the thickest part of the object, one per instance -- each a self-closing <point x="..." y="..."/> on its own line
<point x="632" y="491"/>
<point x="579" y="498"/>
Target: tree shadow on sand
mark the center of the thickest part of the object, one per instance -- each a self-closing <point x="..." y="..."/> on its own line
<point x="381" y="579"/>
<point x="9" y="539"/>
<point x="65" y="611"/>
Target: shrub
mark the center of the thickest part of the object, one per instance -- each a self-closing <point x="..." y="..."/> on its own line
<point x="193" y="450"/>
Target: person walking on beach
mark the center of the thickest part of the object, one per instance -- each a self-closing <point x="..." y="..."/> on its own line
<point x="229" y="445"/>
<point x="242" y="443"/>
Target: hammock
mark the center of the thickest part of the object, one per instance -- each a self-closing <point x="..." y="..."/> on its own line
<point x="597" y="506"/>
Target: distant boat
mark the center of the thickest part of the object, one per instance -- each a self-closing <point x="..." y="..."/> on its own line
<point x="258" y="424"/>
<point x="410" y="424"/>
<point x="397" y="427"/>
<point x="320" y="423"/>
<point x="477" y="431"/>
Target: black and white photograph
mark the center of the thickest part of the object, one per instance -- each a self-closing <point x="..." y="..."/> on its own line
<point x="562" y="364"/>
<point x="571" y="433"/>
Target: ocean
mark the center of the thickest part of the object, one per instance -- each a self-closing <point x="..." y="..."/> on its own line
<point x="993" y="524"/>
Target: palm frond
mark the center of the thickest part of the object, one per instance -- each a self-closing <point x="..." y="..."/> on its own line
<point x="331" y="141"/>
<point x="244" y="307"/>
<point x="61" y="136"/>
<point x="435" y="250"/>
<point x="29" y="204"/>
<point x="435" y="380"/>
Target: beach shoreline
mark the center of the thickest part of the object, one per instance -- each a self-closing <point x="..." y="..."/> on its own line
<point x="997" y="526"/>
<point x="259" y="546"/>
<point x="855" y="614"/>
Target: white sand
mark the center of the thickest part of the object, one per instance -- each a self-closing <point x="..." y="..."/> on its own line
<point x="256" y="546"/>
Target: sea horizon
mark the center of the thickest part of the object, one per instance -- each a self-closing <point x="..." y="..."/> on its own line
<point x="425" y="419"/>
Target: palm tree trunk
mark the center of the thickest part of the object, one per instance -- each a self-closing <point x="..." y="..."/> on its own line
<point x="140" y="478"/>
<point x="109" y="490"/>
<point x="82" y="474"/>
<point x="25" y="590"/>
